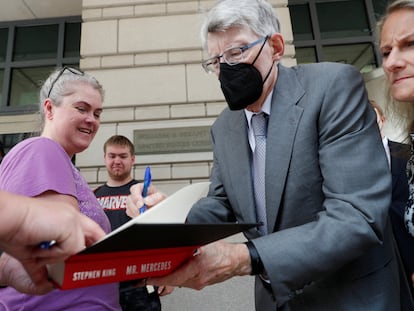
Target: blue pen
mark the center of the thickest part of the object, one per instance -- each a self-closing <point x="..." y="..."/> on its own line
<point x="147" y="182"/>
<point x="47" y="244"/>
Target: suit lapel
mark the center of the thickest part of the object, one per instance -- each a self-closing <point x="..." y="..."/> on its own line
<point x="241" y="177"/>
<point x="398" y="162"/>
<point x="396" y="169"/>
<point x="283" y="123"/>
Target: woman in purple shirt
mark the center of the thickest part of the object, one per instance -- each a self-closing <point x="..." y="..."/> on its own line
<point x="70" y="106"/>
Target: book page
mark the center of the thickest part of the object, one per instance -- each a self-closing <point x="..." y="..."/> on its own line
<point x="173" y="209"/>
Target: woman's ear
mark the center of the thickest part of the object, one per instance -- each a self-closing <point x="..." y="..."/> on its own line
<point x="278" y="45"/>
<point x="48" y="109"/>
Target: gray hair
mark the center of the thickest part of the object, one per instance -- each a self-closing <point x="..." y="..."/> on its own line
<point x="257" y="15"/>
<point x="403" y="111"/>
<point x="62" y="82"/>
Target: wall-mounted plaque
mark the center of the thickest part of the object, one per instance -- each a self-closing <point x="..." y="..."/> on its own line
<point x="172" y="140"/>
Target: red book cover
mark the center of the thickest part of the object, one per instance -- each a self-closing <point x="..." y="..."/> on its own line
<point x="154" y="243"/>
<point x="138" y="251"/>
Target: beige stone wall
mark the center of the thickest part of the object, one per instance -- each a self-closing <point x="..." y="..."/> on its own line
<point x="147" y="55"/>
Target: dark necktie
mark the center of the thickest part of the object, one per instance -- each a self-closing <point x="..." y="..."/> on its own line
<point x="409" y="209"/>
<point x="259" y="126"/>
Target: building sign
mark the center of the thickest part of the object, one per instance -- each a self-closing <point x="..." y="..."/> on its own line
<point x="172" y="140"/>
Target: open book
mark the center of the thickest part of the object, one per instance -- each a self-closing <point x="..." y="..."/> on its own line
<point x="152" y="244"/>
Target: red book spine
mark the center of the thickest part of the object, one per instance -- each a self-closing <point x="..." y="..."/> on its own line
<point x="94" y="269"/>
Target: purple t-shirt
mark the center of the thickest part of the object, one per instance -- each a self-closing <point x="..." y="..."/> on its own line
<point x="32" y="167"/>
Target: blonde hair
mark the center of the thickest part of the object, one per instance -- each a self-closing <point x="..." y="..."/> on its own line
<point x="63" y="82"/>
<point x="402" y="111"/>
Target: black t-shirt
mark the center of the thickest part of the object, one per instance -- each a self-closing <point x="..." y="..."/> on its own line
<point x="113" y="202"/>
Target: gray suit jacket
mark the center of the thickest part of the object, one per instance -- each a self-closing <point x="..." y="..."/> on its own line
<point x="328" y="190"/>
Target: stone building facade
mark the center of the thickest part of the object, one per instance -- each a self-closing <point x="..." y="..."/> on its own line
<point x="147" y="55"/>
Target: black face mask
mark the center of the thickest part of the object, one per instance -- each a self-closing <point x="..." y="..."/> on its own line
<point x="242" y="84"/>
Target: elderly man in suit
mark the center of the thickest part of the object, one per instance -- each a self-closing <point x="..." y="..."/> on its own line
<point x="320" y="185"/>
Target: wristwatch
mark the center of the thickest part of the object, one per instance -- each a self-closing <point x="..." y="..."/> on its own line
<point x="256" y="262"/>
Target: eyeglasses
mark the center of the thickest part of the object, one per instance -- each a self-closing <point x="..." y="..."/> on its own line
<point x="232" y="56"/>
<point x="71" y="70"/>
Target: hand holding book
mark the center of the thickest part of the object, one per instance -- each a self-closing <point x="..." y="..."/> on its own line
<point x="215" y="262"/>
<point x="169" y="243"/>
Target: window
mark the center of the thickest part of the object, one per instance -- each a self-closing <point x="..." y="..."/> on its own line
<point x="29" y="51"/>
<point x="336" y="30"/>
<point x="7" y="141"/>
